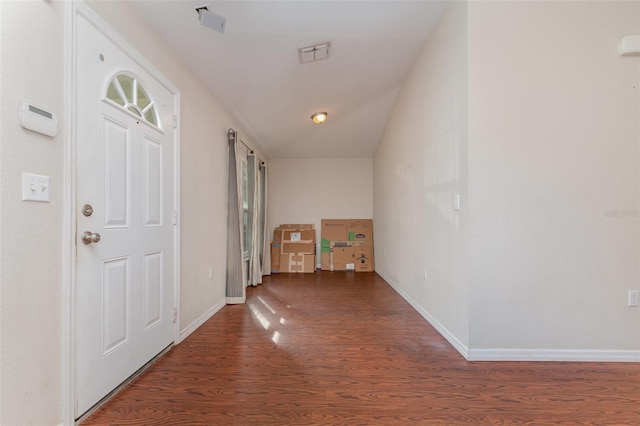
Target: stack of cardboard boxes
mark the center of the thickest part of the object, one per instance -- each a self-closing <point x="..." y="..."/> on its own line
<point x="347" y="245"/>
<point x="293" y="248"/>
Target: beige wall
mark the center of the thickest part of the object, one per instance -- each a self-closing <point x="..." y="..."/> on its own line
<point x="535" y="265"/>
<point x="554" y="137"/>
<point x="308" y="190"/>
<point x="31" y="301"/>
<point x="420" y="165"/>
<point x="31" y="247"/>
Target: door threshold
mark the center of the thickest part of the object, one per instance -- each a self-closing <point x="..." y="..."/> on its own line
<point x="122" y="385"/>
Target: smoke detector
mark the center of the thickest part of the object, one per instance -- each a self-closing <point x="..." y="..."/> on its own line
<point x="314" y="53"/>
<point x="211" y="20"/>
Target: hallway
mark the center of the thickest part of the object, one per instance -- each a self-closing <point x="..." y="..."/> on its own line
<point x="343" y="348"/>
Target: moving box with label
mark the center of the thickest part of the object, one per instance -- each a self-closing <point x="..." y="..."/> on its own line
<point x="293" y="248"/>
<point x="347" y="245"/>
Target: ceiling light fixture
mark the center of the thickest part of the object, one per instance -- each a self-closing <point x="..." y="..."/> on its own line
<point x="319" y="117"/>
<point x="211" y="20"/>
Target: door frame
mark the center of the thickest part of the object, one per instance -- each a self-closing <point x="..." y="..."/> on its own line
<point x="72" y="10"/>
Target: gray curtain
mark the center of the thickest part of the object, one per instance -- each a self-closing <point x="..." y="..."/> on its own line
<point x="236" y="292"/>
<point x="265" y="253"/>
<point x="257" y="228"/>
<point x="255" y="268"/>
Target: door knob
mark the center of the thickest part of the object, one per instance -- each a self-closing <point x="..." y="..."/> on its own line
<point x="90" y="237"/>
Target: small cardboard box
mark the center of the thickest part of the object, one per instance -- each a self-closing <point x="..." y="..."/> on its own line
<point x="297" y="263"/>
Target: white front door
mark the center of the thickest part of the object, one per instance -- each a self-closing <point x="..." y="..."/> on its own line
<point x="125" y="278"/>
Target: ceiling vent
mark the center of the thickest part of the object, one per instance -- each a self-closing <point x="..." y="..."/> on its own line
<point x="314" y="53"/>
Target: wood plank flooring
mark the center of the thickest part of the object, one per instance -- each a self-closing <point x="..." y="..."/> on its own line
<point x="345" y="349"/>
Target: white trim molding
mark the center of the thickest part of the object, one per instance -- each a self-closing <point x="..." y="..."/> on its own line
<point x="200" y="320"/>
<point x="451" y="338"/>
<point x="560" y="355"/>
<point x="574" y="355"/>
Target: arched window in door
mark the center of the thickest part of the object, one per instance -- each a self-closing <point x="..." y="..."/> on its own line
<point x="127" y="92"/>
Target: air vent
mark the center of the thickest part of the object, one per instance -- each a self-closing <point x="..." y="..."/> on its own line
<point x="314" y="53"/>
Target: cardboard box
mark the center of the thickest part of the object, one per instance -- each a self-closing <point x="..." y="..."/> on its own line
<point x="298" y="241"/>
<point x="275" y="257"/>
<point x="293" y="248"/>
<point x="277" y="232"/>
<point x="325" y="260"/>
<point x="363" y="257"/>
<point x="297" y="263"/>
<point x="353" y="237"/>
<point x="342" y="259"/>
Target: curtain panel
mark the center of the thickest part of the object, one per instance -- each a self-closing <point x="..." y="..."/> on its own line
<point x="235" y="291"/>
<point x="264" y="223"/>
<point x="255" y="264"/>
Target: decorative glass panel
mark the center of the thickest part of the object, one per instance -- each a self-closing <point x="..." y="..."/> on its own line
<point x="150" y="116"/>
<point x="134" y="110"/>
<point x="112" y="93"/>
<point x="127" y="86"/>
<point x="127" y="92"/>
<point x="143" y="99"/>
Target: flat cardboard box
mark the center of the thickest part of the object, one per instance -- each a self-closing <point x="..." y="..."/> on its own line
<point x="298" y="241"/>
<point x="334" y="229"/>
<point x="363" y="257"/>
<point x="325" y="260"/>
<point x="342" y="259"/>
<point x="277" y="232"/>
<point x="297" y="263"/>
<point x="275" y="257"/>
<point x="358" y="232"/>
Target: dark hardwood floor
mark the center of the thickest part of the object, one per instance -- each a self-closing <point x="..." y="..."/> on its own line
<point x="345" y="349"/>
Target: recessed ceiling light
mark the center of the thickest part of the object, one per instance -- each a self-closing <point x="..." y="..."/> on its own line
<point x="319" y="117"/>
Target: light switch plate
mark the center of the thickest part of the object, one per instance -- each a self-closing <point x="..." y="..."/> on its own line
<point x="35" y="188"/>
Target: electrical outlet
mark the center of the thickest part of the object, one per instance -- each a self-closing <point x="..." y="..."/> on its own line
<point x="425" y="274"/>
<point x="633" y="298"/>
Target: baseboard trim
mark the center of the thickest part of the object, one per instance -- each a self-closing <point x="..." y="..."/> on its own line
<point x="185" y="332"/>
<point x="450" y="337"/>
<point x="566" y="355"/>
<point x="571" y="355"/>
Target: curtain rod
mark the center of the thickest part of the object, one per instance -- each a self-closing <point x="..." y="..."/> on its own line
<point x="232" y="135"/>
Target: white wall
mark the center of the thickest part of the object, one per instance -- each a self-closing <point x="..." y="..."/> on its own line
<point x="420" y="164"/>
<point x="553" y="124"/>
<point x="31" y="243"/>
<point x="538" y="262"/>
<point x="308" y="190"/>
<point x="31" y="297"/>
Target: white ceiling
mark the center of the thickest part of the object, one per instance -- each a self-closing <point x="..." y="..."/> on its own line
<point x="253" y="70"/>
